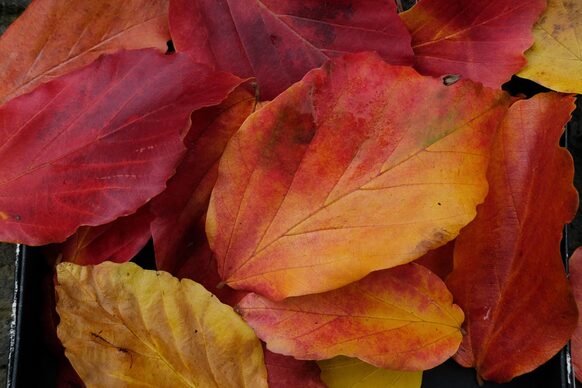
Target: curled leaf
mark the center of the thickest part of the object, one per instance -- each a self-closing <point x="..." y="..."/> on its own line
<point x="122" y="325"/>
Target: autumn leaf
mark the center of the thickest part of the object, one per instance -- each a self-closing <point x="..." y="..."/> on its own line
<point x="555" y="60"/>
<point x="402" y="318"/>
<point x="53" y="37"/>
<point x="345" y="372"/>
<point x="118" y="241"/>
<point x="278" y="41"/>
<point x="181" y="208"/>
<point x="98" y="143"/>
<point x="287" y="372"/>
<point x="349" y="171"/>
<point x="482" y="40"/>
<point x="508" y="275"/>
<point x="122" y="325"/>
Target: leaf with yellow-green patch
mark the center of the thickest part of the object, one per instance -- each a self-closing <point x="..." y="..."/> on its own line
<point x="555" y="59"/>
<point x="345" y="372"/>
<point x="122" y="325"/>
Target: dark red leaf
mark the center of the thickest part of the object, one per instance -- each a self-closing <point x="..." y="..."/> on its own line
<point x="118" y="241"/>
<point x="278" y="41"/>
<point x="287" y="372"/>
<point x="439" y="261"/>
<point x="181" y="207"/>
<point x="98" y="143"/>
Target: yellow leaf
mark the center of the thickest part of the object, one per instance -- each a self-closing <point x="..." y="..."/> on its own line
<point x="345" y="372"/>
<point x="555" y="59"/>
<point x="125" y="326"/>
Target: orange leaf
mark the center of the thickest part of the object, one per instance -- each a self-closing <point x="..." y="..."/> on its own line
<point x="401" y="318"/>
<point x="508" y="275"/>
<point x="53" y="37"/>
<point x="349" y="171"/>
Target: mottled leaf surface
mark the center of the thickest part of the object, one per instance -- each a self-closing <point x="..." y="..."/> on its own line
<point x="349" y="171"/>
<point x="555" y="60"/>
<point x="482" y="40"/>
<point x="125" y="326"/>
<point x="53" y="37"/>
<point x="98" y="142"/>
<point x="345" y="372"/>
<point x="508" y="275"/>
<point x="402" y="318"/>
<point x="278" y="41"/>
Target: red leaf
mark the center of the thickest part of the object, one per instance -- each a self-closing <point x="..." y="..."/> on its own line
<point x="287" y="372"/>
<point x="54" y="37"/>
<point x="278" y="41"/>
<point x="439" y="261"/>
<point x="508" y="275"/>
<point x="118" y="241"/>
<point x="576" y="282"/>
<point x="181" y="207"/>
<point x="483" y="40"/>
<point x="97" y="144"/>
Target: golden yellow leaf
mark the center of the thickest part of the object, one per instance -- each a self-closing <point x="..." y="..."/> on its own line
<point x="345" y="372"/>
<point x="124" y="326"/>
<point x="555" y="59"/>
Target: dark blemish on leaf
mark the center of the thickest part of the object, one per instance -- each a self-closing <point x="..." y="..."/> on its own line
<point x="17" y="217"/>
<point x="326" y="10"/>
<point x="326" y="34"/>
<point x="450" y="79"/>
<point x="438" y="203"/>
<point x="195" y="331"/>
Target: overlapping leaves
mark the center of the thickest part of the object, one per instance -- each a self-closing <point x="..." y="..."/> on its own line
<point x="320" y="198"/>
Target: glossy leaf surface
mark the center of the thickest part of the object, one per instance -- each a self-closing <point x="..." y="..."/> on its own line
<point x="287" y="372"/>
<point x="125" y="326"/>
<point x="98" y="143"/>
<point x="118" y="241"/>
<point x="180" y="211"/>
<point x="576" y="282"/>
<point x="508" y="275"/>
<point x="278" y="41"/>
<point x="345" y="372"/>
<point x="401" y="318"/>
<point x="555" y="60"/>
<point x="482" y="40"/>
<point x="349" y="171"/>
<point x="53" y="37"/>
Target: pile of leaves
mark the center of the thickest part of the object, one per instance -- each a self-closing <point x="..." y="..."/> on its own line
<point x="337" y="193"/>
